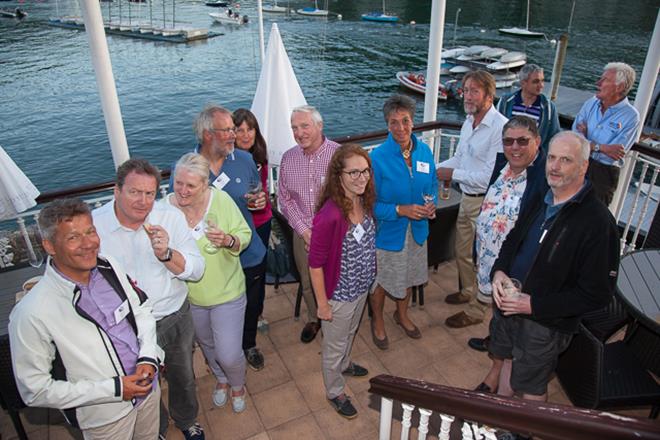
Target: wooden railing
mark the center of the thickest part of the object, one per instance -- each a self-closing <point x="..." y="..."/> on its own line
<point x="480" y="414"/>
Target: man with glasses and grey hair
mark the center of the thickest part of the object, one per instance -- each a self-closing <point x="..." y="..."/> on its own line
<point x="301" y="176"/>
<point x="234" y="171"/>
<point x="531" y="102"/>
<point x="610" y="123"/>
<point x="84" y="339"/>
<point x="153" y="244"/>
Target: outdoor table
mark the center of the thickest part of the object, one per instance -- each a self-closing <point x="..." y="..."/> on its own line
<point x="638" y="287"/>
<point x="442" y="233"/>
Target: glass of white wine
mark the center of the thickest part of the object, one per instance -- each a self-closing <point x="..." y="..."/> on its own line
<point x="211" y="223"/>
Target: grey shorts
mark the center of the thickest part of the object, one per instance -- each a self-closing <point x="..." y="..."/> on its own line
<point x="533" y="348"/>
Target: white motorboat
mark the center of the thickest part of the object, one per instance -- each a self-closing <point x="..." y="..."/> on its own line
<point x="229" y="17"/>
<point x="313" y="12"/>
<point x="493" y="53"/>
<point x="509" y="60"/>
<point x="505" y="79"/>
<point x="453" y="52"/>
<point x="520" y="32"/>
<point x="459" y="70"/>
<point x="416" y="82"/>
<point x="274" y="8"/>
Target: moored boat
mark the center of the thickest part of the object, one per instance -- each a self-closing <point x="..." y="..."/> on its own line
<point x="229" y="17"/>
<point x="217" y="3"/>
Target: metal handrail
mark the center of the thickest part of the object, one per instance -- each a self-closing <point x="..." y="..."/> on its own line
<point x="92" y="188"/>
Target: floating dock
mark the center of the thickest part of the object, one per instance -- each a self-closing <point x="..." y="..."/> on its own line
<point x="170" y="35"/>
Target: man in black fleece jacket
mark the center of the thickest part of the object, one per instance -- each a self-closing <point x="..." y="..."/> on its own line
<point x="566" y="254"/>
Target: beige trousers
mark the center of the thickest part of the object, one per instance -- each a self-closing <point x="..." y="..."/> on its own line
<point x="140" y="424"/>
<point x="465" y="228"/>
<point x="338" y="336"/>
<point x="301" y="257"/>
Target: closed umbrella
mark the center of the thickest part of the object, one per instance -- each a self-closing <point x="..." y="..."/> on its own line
<point x="17" y="193"/>
<point x="278" y="92"/>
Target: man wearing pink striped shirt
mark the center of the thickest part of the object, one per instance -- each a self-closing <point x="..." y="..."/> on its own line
<point x="302" y="174"/>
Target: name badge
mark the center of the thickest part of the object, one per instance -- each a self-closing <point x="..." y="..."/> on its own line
<point x="121" y="312"/>
<point x="422" y="167"/>
<point x="358" y="232"/>
<point x="221" y="181"/>
<point x="198" y="231"/>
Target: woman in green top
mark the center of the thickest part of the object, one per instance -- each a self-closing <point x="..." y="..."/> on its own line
<point x="217" y="300"/>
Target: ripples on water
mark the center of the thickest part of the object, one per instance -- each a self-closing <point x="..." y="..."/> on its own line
<point x="52" y="125"/>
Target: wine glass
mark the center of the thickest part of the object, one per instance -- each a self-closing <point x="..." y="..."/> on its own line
<point x="35" y="258"/>
<point x="211" y="223"/>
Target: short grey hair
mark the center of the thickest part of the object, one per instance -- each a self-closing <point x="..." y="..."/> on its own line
<point x="585" y="147"/>
<point x="527" y="70"/>
<point x="624" y="75"/>
<point x="195" y="164"/>
<point x="204" y="120"/>
<point x="520" y="121"/>
<point x="311" y="110"/>
<point x="397" y="103"/>
<point x="58" y="211"/>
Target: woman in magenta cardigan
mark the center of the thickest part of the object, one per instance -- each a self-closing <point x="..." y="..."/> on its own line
<point x="342" y="265"/>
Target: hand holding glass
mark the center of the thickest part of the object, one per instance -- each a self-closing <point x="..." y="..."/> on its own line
<point x="512" y="288"/>
<point x="211" y="224"/>
<point x="254" y="188"/>
<point x="429" y="203"/>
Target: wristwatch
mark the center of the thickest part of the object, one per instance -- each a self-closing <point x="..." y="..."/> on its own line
<point x="596" y="148"/>
<point x="168" y="256"/>
<point x="232" y="242"/>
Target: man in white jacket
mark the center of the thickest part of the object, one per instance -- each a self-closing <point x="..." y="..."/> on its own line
<point x="84" y="340"/>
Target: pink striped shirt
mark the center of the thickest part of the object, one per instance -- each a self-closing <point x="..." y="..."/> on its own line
<point x="300" y="179"/>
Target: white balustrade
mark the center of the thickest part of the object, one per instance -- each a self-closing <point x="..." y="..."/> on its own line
<point x="466" y="430"/>
<point x="405" y="421"/>
<point x="423" y="423"/>
<point x="445" y="426"/>
<point x="385" y="418"/>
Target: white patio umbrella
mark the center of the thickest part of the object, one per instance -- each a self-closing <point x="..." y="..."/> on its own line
<point x="17" y="193"/>
<point x="278" y="92"/>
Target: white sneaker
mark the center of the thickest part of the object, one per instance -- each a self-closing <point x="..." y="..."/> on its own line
<point x="238" y="403"/>
<point x="220" y="397"/>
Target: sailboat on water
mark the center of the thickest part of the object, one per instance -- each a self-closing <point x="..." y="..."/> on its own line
<point x="274" y="8"/>
<point x="519" y="32"/>
<point x="315" y="11"/>
<point x="380" y="16"/>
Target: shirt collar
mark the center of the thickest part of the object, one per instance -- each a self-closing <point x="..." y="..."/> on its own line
<point x="623" y="103"/>
<point x="318" y="152"/>
<point x="488" y="117"/>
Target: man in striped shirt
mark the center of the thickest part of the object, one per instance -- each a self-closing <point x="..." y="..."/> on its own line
<point x="529" y="101"/>
<point x="301" y="177"/>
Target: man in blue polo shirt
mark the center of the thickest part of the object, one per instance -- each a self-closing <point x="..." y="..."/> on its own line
<point x="233" y="171"/>
<point x="531" y="102"/>
<point x="610" y="124"/>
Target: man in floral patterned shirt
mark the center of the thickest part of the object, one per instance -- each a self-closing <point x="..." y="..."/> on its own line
<point x="517" y="176"/>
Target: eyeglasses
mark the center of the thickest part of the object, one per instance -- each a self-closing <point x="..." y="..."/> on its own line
<point x="355" y="174"/>
<point x="223" y="130"/>
<point x="521" y="141"/>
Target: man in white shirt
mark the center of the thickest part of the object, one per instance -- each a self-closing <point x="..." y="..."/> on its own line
<point x="154" y="245"/>
<point x="471" y="167"/>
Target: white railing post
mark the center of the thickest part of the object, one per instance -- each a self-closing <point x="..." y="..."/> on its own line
<point x="645" y="208"/>
<point x="466" y="430"/>
<point x="445" y="426"/>
<point x="32" y="256"/>
<point x="423" y="423"/>
<point x="405" y="420"/>
<point x="385" y="429"/>
<point x="633" y="208"/>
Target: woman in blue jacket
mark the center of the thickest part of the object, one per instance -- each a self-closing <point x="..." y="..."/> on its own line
<point x="404" y="175"/>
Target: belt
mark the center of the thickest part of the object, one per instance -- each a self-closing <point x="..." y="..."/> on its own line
<point x="474" y="195"/>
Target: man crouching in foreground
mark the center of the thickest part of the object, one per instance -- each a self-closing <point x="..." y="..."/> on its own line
<point x="82" y="340"/>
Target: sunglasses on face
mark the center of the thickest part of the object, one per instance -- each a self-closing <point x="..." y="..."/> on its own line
<point x="521" y="141"/>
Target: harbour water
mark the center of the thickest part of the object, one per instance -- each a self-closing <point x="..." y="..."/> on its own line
<point x="51" y="121"/>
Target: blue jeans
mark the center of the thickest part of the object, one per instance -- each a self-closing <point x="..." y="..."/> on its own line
<point x="175" y="336"/>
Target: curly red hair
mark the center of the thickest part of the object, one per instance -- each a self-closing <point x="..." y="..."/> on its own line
<point x="333" y="188"/>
